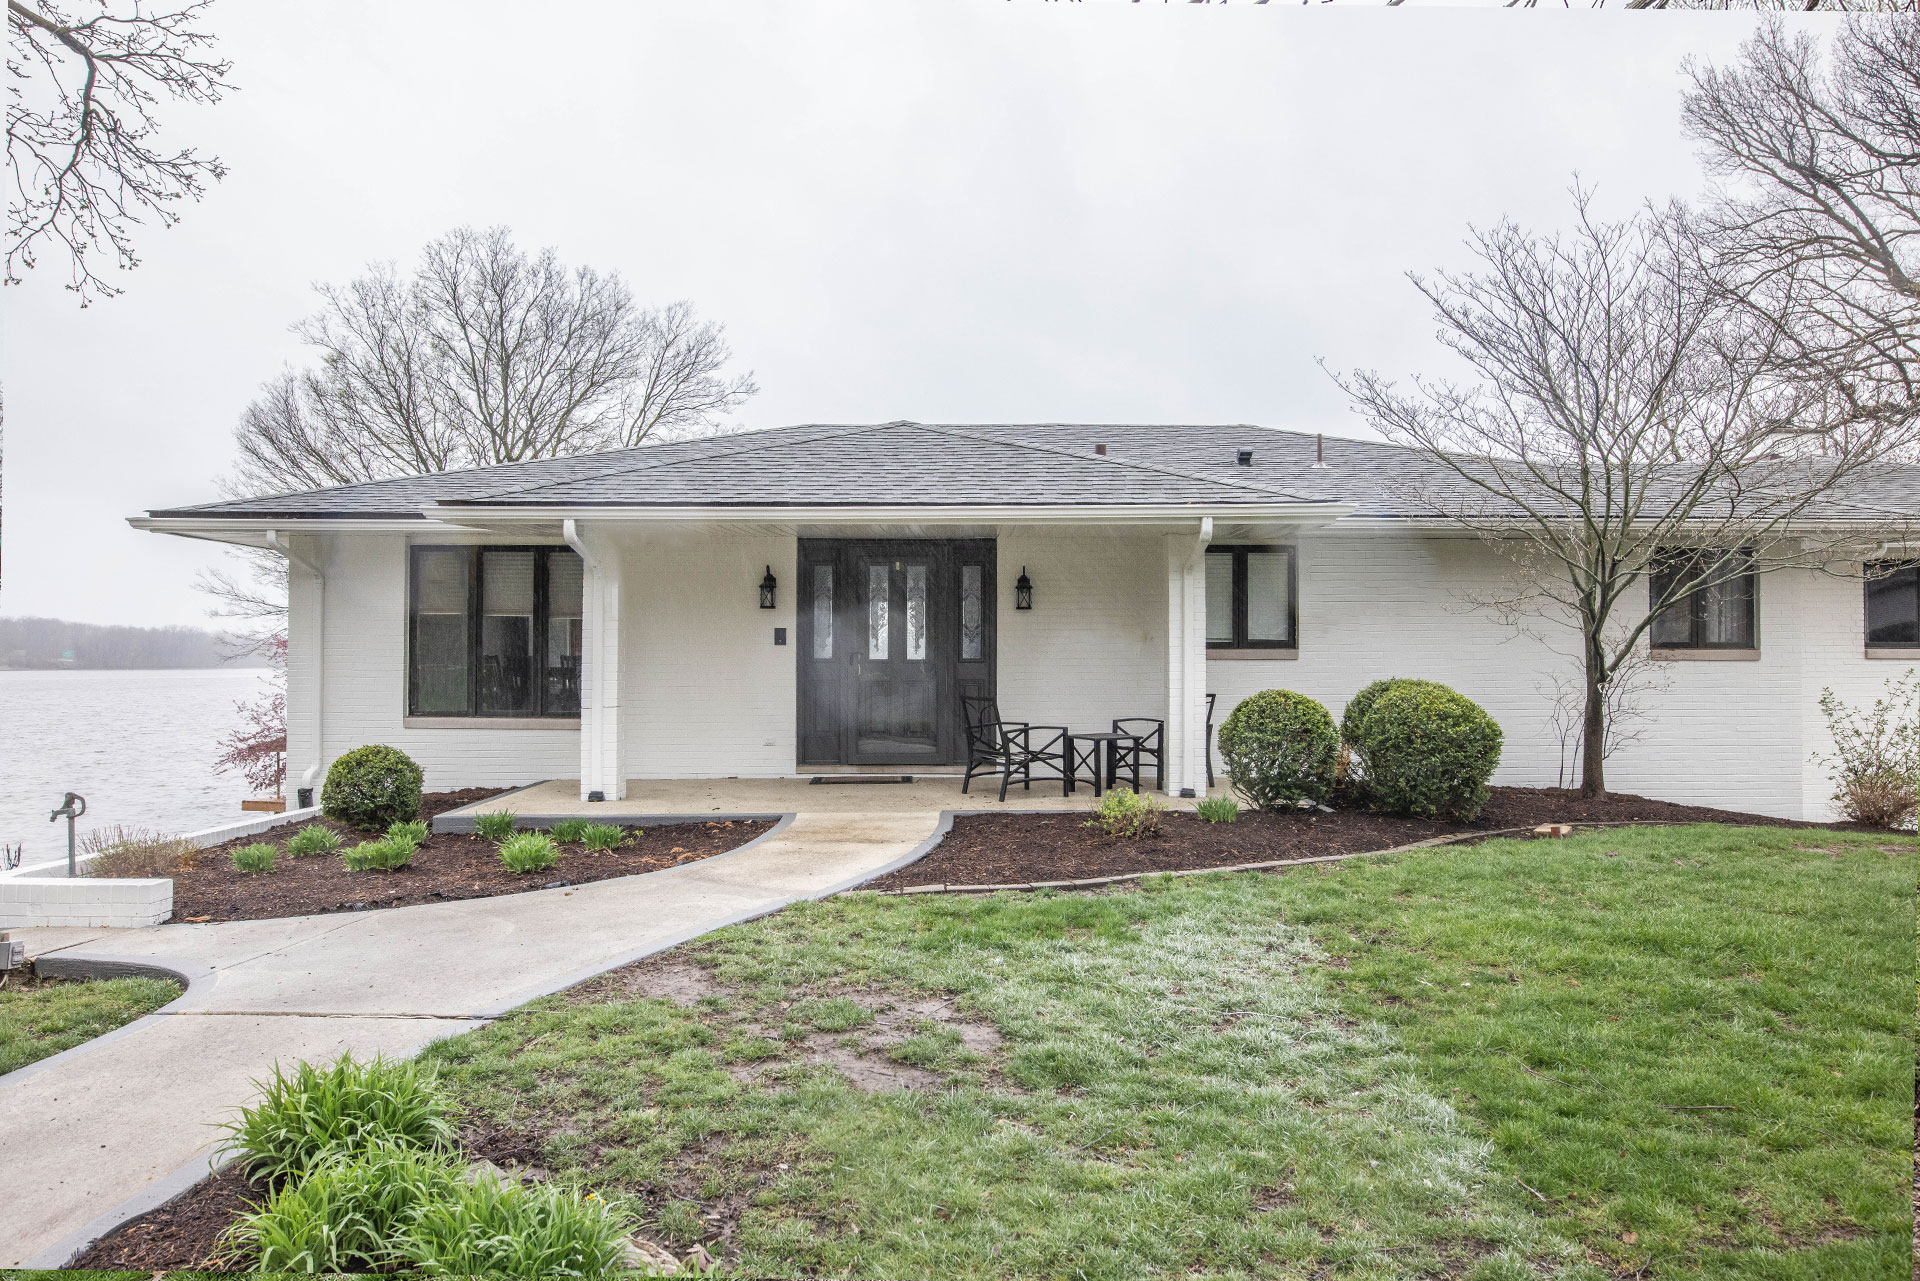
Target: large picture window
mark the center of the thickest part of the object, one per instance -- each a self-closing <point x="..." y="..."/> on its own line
<point x="1893" y="604"/>
<point x="494" y="631"/>
<point x="1717" y="615"/>
<point x="1250" y="598"/>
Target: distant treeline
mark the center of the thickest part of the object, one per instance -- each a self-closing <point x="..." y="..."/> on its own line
<point x="52" y="642"/>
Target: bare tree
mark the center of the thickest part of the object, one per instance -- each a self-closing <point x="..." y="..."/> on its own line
<point x="485" y="355"/>
<point x="1624" y="439"/>
<point x="1814" y="224"/>
<point x="82" y="144"/>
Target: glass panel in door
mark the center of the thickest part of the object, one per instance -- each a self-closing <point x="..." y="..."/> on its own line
<point x="895" y="685"/>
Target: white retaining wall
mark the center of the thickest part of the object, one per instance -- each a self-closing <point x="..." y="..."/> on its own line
<point x="706" y="693"/>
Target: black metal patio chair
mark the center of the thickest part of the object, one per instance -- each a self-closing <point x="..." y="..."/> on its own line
<point x="1148" y="744"/>
<point x="1011" y="749"/>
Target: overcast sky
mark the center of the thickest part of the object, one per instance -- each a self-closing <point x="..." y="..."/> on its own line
<point x="952" y="210"/>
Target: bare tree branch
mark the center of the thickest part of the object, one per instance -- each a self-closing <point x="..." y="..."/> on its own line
<point x="81" y="131"/>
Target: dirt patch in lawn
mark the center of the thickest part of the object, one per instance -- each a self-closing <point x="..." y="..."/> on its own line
<point x="1002" y="849"/>
<point x="448" y="866"/>
<point x="182" y="1234"/>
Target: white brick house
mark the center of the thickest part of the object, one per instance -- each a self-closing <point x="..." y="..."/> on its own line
<point x="603" y="618"/>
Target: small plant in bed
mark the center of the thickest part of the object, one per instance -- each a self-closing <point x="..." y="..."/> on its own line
<point x="313" y="839"/>
<point x="571" y="831"/>
<point x="414" y="833"/>
<point x="603" y="836"/>
<point x="383" y="855"/>
<point x="349" y="1213"/>
<point x="1127" y="814"/>
<point x="258" y="857"/>
<point x="497" y="825"/>
<point x="1218" y="809"/>
<point x="311" y="1114"/>
<point x="528" y="852"/>
<point x="486" y="1228"/>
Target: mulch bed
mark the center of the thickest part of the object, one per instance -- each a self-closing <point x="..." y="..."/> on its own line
<point x="1013" y="849"/>
<point x="447" y="867"/>
<point x="182" y="1234"/>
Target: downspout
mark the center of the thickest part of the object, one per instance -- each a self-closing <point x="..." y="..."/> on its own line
<point x="310" y="777"/>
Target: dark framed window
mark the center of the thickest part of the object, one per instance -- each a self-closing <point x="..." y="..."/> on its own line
<point x="494" y="631"/>
<point x="1893" y="603"/>
<point x="1719" y="614"/>
<point x="1251" y="598"/>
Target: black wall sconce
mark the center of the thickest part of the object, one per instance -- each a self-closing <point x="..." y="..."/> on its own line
<point x="1023" y="590"/>
<point x="767" y="586"/>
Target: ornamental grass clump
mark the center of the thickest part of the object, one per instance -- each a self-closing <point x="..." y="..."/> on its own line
<point x="528" y="852"/>
<point x="603" y="836"/>
<point x="372" y="787"/>
<point x="414" y="833"/>
<point x="1429" y="752"/>
<point x="1129" y="815"/>
<point x="1279" y="749"/>
<point x="136" y="852"/>
<point x="313" y="839"/>
<point x="1218" y="809"/>
<point x="383" y="855"/>
<point x="571" y="831"/>
<point x="258" y="857"/>
<point x="486" y="1228"/>
<point x="350" y="1213"/>
<point x="314" y="1113"/>
<point x="496" y="825"/>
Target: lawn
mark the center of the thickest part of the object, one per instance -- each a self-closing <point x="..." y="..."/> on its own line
<point x="1660" y="1052"/>
<point x="41" y="1018"/>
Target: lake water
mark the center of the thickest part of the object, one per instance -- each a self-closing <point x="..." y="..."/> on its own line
<point x="138" y="745"/>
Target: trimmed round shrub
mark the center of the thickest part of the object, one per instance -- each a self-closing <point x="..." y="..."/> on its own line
<point x="1360" y="704"/>
<point x="372" y="787"/>
<point x="1429" y="752"/>
<point x="1279" y="748"/>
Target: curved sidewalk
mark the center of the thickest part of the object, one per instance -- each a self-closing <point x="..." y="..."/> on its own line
<point x="117" y="1125"/>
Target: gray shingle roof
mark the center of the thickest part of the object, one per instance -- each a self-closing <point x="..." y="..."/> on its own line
<point x="1005" y="465"/>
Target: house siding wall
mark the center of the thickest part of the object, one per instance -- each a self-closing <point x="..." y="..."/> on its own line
<point x="706" y="693"/>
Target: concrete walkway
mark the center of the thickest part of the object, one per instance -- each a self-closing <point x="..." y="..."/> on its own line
<point x="118" y="1125"/>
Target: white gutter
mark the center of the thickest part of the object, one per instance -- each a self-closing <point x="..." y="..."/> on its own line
<point x="309" y="778"/>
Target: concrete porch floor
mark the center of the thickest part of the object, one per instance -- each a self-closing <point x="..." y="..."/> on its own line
<point x="659" y="798"/>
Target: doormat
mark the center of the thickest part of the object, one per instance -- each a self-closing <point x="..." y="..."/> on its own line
<point x="863" y="778"/>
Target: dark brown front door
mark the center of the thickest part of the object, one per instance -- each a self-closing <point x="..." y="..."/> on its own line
<point x="887" y="632"/>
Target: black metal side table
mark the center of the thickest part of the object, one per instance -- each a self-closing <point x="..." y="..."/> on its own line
<point x="1094" y="753"/>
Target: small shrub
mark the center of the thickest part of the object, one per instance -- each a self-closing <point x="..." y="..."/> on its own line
<point x="485" y="1228"/>
<point x="528" y="852"/>
<point x="383" y="855"/>
<point x="313" y="1113"/>
<point x="258" y="857"/>
<point x="1876" y="755"/>
<point x="1279" y="749"/>
<point x="603" y="836"/>
<point x="414" y="833"/>
<point x="313" y="839"/>
<point x="571" y="831"/>
<point x="350" y="1213"/>
<point x="496" y="825"/>
<point x="1127" y="814"/>
<point x="1353" y="721"/>
<point x="371" y="787"/>
<point x="1429" y="752"/>
<point x="1218" y="809"/>
<point x="136" y="852"/>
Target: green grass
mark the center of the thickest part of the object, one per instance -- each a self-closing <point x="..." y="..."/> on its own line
<point x="1257" y="1075"/>
<point x="38" y="1019"/>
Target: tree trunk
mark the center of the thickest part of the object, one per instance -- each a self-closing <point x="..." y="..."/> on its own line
<point x="1593" y="732"/>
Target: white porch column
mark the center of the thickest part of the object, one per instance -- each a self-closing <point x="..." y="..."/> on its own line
<point x="602" y="763"/>
<point x="1187" y="661"/>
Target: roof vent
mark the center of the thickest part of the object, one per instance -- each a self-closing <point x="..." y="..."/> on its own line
<point x="1100" y="449"/>
<point x="1246" y="458"/>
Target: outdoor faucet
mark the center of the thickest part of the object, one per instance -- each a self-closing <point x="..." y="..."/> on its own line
<point x="70" y="809"/>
